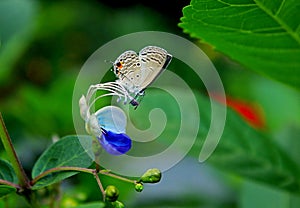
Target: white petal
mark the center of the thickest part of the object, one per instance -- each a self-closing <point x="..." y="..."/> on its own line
<point x="84" y="109"/>
<point x="92" y="126"/>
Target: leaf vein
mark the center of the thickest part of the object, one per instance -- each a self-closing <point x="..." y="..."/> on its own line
<point x="279" y="21"/>
<point x="280" y="7"/>
<point x="235" y="5"/>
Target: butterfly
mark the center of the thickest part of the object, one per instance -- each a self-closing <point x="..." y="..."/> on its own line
<point x="135" y="72"/>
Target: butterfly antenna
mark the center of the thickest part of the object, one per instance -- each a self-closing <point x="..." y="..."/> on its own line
<point x="111" y="62"/>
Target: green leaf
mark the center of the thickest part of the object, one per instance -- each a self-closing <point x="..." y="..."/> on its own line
<point x="249" y="153"/>
<point x="266" y="197"/>
<point x="5" y="189"/>
<point x="72" y="151"/>
<point x="262" y="35"/>
<point x="242" y="150"/>
<point x="7" y="173"/>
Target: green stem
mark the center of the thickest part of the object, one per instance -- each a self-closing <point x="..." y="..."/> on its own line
<point x="99" y="184"/>
<point x="24" y="183"/>
<point x="78" y="169"/>
<point x="8" y="146"/>
<point x="97" y="150"/>
<point x="32" y="200"/>
<point x="106" y="172"/>
<point x="59" y="169"/>
<point x="10" y="184"/>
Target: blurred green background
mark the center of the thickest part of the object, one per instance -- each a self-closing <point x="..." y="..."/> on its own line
<point x="43" y="46"/>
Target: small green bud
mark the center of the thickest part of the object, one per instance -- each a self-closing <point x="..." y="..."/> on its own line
<point x="111" y="193"/>
<point x="151" y="176"/>
<point x="117" y="204"/>
<point x="139" y="187"/>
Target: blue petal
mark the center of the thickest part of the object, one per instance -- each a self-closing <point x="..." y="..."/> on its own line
<point x="112" y="119"/>
<point x="115" y="143"/>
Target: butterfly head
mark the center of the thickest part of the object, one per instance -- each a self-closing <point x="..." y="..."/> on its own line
<point x="118" y="66"/>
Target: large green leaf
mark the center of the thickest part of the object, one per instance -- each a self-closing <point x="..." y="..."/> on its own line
<point x="266" y="197"/>
<point x="5" y="189"/>
<point x="252" y="154"/>
<point x="262" y="35"/>
<point x="249" y="153"/>
<point x="72" y="151"/>
<point x="7" y="173"/>
<point x="242" y="150"/>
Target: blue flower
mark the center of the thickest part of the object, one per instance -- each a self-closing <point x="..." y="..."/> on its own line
<point x="115" y="143"/>
<point x="108" y="125"/>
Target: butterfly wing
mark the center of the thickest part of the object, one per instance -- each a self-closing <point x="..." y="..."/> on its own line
<point x="137" y="72"/>
<point x="127" y="68"/>
<point x="154" y="60"/>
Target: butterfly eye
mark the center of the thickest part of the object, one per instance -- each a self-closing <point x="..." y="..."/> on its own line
<point x="119" y="65"/>
<point x="117" y="71"/>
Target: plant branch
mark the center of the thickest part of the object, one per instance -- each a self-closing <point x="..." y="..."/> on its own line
<point x="8" y="146"/>
<point x="99" y="184"/>
<point x="59" y="169"/>
<point x="66" y="168"/>
<point x="106" y="172"/>
<point x="9" y="184"/>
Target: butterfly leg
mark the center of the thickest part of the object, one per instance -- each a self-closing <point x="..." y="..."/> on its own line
<point x="137" y="99"/>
